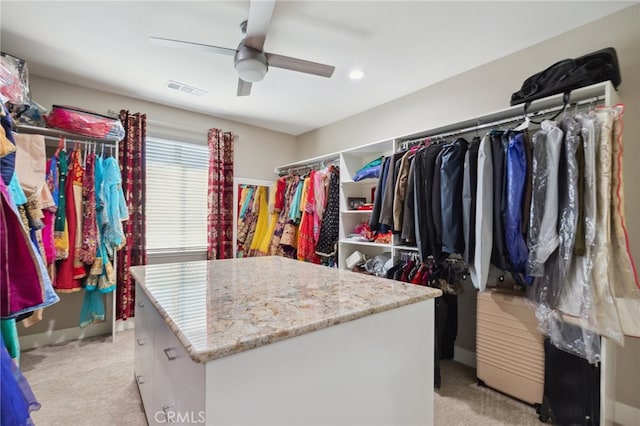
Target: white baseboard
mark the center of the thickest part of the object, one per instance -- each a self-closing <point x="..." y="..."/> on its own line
<point x="125" y="325"/>
<point x="54" y="337"/>
<point x="626" y="415"/>
<point x="464" y="356"/>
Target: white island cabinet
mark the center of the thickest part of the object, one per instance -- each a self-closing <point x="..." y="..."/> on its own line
<point x="274" y="341"/>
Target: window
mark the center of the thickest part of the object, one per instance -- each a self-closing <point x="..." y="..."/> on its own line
<point x="176" y="196"/>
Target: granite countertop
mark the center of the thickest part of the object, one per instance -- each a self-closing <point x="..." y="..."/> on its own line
<point x="218" y="308"/>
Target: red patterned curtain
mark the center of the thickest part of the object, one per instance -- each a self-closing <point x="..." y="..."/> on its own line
<point x="132" y="167"/>
<point x="220" y="195"/>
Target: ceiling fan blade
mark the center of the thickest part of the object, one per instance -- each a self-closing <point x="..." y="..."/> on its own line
<point x="300" y="65"/>
<point x="244" y="88"/>
<point x="260" y="12"/>
<point x="190" y="45"/>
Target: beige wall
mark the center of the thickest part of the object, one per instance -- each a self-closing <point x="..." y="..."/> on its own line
<point x="488" y="88"/>
<point x="257" y="152"/>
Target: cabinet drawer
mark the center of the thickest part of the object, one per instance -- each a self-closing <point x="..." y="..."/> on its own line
<point x="180" y="391"/>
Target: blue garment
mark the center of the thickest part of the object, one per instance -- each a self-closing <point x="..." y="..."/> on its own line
<point x="247" y="200"/>
<point x="16" y="398"/>
<point x="515" y="183"/>
<point x="451" y="176"/>
<point x="92" y="307"/>
<point x="294" y="212"/>
<point x="17" y="194"/>
<point x="115" y="206"/>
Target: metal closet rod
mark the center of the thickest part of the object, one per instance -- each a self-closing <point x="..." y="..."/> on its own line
<point x="520" y="117"/>
<point x="310" y="166"/>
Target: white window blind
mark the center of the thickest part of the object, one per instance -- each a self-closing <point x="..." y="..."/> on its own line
<point x="176" y="196"/>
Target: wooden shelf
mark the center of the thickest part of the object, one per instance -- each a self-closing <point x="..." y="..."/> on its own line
<point x="365" y="243"/>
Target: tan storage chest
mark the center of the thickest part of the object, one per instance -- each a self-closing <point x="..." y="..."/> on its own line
<point x="509" y="347"/>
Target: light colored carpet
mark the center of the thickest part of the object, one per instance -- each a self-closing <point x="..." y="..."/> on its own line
<point x="91" y="383"/>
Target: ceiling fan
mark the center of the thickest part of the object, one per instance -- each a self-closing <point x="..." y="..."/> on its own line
<point x="249" y="59"/>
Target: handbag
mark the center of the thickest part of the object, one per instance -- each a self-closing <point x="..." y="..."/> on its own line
<point x="569" y="74"/>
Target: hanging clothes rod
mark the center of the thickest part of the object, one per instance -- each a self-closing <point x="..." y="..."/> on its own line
<point x="310" y="166"/>
<point x="520" y="117"/>
<point x="55" y="133"/>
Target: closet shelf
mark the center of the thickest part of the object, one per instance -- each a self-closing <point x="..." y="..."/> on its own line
<point x="56" y="133"/>
<point x="369" y="182"/>
<point x="365" y="243"/>
<point x="406" y="248"/>
<point x="355" y="211"/>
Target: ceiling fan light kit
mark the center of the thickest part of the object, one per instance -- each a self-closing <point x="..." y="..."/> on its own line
<point x="250" y="64"/>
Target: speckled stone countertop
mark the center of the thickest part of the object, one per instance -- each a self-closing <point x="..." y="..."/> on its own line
<point x="218" y="308"/>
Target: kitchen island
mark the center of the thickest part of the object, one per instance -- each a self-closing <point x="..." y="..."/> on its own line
<point x="275" y="341"/>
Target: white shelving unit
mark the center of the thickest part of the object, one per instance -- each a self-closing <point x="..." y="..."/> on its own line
<point x="352" y="160"/>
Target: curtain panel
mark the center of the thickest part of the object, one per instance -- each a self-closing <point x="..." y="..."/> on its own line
<point x="220" y="195"/>
<point x="132" y="166"/>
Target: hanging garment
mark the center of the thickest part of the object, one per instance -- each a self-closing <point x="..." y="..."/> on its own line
<point x="623" y="274"/>
<point x="328" y="239"/>
<point x="24" y="283"/>
<point x="499" y="255"/>
<point x="425" y="228"/>
<point x="576" y="294"/>
<point x="469" y="190"/>
<point x="275" y="249"/>
<point x="568" y="195"/>
<point x="306" y="241"/>
<point x="31" y="165"/>
<point x="263" y="248"/>
<point x="451" y="180"/>
<point x="16" y="398"/>
<point x="7" y="162"/>
<point x="115" y="206"/>
<point x="61" y="229"/>
<point x="408" y="216"/>
<point x="435" y="203"/>
<point x="374" y="219"/>
<point x="89" y="246"/>
<point x="401" y="192"/>
<point x="479" y="270"/>
<point x="515" y="186"/>
<point x="386" y="210"/>
<point x="77" y="178"/>
<point x="263" y="220"/>
<point x="607" y="314"/>
<point x="543" y="231"/>
<point x="65" y="283"/>
<point x="579" y="247"/>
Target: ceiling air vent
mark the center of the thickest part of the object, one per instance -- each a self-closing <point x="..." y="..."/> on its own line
<point x="185" y="88"/>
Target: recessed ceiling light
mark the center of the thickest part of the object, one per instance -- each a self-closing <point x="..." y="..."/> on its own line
<point x="356" y="74"/>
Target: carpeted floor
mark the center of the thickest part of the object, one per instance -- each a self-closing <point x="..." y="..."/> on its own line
<point x="91" y="383"/>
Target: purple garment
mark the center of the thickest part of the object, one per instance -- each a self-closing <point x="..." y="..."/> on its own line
<point x="515" y="183"/>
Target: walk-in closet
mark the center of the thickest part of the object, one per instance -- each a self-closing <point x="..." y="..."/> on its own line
<point x="276" y="212"/>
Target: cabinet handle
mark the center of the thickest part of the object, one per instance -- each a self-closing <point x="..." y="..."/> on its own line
<point x="165" y="410"/>
<point x="169" y="352"/>
<point x="139" y="379"/>
<point x="140" y="341"/>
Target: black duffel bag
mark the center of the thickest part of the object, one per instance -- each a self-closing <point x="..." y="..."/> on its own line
<point x="569" y="74"/>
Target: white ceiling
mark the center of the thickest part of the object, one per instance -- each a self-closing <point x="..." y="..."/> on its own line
<point x="402" y="47"/>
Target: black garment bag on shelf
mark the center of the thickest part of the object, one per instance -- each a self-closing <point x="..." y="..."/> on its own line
<point x="569" y="74"/>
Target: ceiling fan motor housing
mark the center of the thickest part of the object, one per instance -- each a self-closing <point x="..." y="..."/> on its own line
<point x="251" y="64"/>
